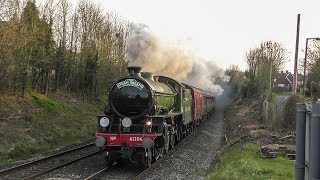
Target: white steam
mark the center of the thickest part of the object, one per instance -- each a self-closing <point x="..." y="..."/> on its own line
<point x="146" y="50"/>
<point x="205" y="75"/>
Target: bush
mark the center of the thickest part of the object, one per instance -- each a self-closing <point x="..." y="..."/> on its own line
<point x="289" y="120"/>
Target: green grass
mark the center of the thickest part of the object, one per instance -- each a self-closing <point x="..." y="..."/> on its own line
<point x="244" y="162"/>
<point x="274" y="95"/>
<point x="43" y="123"/>
<point x="46" y="103"/>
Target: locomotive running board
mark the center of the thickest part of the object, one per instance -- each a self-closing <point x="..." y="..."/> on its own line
<point x="132" y="140"/>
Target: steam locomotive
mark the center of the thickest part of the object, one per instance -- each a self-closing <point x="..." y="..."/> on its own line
<point x="147" y="115"/>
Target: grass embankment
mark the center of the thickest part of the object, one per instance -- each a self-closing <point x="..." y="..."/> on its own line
<point x="240" y="158"/>
<point x="245" y="162"/>
<point x="40" y="123"/>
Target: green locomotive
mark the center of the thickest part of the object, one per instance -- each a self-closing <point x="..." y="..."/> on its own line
<point x="148" y="115"/>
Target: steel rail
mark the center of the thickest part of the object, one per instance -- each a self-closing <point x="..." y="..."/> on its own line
<point x="16" y="168"/>
<point x="59" y="166"/>
<point x="96" y="174"/>
<point x="183" y="141"/>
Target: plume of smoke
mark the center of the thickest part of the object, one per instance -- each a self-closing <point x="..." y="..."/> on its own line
<point x="146" y="50"/>
<point x="205" y="75"/>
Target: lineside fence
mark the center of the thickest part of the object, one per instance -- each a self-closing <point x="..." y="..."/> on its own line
<point x="307" y="141"/>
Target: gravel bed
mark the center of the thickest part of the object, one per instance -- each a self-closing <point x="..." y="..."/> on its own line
<point x="78" y="170"/>
<point x="196" y="155"/>
<point x="86" y="167"/>
<point x="125" y="170"/>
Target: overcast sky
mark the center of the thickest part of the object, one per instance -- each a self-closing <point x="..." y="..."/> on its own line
<point x="223" y="31"/>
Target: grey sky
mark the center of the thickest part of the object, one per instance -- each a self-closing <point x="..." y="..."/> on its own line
<point x="223" y="31"/>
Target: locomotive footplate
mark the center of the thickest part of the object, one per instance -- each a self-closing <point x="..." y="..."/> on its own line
<point x="131" y="140"/>
<point x="126" y="146"/>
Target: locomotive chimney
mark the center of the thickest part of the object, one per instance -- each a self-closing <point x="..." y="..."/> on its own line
<point x="134" y="70"/>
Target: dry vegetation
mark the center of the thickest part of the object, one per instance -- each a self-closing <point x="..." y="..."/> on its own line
<point x="246" y="135"/>
<point x="39" y="123"/>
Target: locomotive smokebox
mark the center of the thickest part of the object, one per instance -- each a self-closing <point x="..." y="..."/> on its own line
<point x="134" y="70"/>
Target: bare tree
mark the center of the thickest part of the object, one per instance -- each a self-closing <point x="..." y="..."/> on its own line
<point x="269" y="52"/>
<point x="11" y="8"/>
<point x="88" y="47"/>
<point x="268" y="57"/>
<point x="63" y="18"/>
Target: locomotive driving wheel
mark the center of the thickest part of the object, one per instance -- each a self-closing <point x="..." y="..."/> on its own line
<point x="179" y="133"/>
<point x="172" y="139"/>
<point x="148" y="158"/>
<point x="166" y="141"/>
<point x="186" y="131"/>
<point x="159" y="153"/>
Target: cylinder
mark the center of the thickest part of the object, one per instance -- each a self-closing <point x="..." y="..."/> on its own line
<point x="315" y="142"/>
<point x="300" y="139"/>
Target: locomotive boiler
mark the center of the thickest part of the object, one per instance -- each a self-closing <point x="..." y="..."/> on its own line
<point x="147" y="115"/>
<point x="135" y="96"/>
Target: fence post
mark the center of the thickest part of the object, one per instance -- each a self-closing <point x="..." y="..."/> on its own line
<point x="307" y="142"/>
<point x="315" y="142"/>
<point x="300" y="139"/>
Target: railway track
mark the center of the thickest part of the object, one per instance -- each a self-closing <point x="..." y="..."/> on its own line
<point x="33" y="169"/>
<point x="96" y="174"/>
<point x="121" y="173"/>
<point x="144" y="172"/>
<point x="36" y="168"/>
<point x="115" y="172"/>
<point x="45" y="165"/>
<point x="185" y="140"/>
<point x="108" y="172"/>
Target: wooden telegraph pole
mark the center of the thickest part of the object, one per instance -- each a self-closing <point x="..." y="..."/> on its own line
<point x="296" y="57"/>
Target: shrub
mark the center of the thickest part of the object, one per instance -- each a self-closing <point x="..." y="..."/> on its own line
<point x="289" y="120"/>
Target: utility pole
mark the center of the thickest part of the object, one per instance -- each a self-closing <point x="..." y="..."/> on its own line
<point x="305" y="65"/>
<point x="271" y="81"/>
<point x="296" y="57"/>
<point x="270" y="48"/>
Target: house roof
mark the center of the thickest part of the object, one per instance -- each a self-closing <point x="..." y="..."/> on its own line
<point x="287" y="78"/>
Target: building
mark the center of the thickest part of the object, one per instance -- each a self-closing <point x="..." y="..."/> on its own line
<point x="284" y="81"/>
